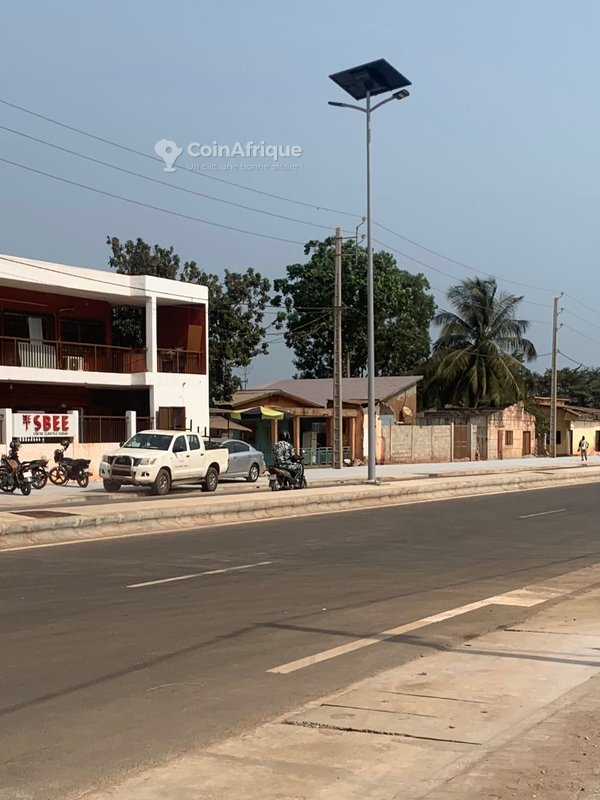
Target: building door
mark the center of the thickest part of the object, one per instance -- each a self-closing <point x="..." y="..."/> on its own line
<point x="570" y="453"/>
<point x="526" y="451"/>
<point x="461" y="442"/>
<point x="500" y="445"/>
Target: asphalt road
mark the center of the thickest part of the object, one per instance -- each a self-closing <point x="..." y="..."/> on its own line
<point x="100" y="677"/>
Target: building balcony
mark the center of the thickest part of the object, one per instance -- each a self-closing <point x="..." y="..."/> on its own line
<point x="182" y="361"/>
<point x="77" y="356"/>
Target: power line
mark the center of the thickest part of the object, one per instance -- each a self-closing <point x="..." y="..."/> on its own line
<point x="282" y="198"/>
<point x="459" y="263"/>
<point x="164" y="183"/>
<point x="579" y="363"/>
<point x="580" y="318"/>
<point x="159" y="161"/>
<point x="583" y="305"/>
<point x="149" y="205"/>
<point x="583" y="335"/>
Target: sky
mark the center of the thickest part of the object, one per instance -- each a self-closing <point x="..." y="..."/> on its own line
<point x="493" y="161"/>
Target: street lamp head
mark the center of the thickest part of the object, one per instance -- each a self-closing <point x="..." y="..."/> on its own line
<point x="401" y="94"/>
<point x="373" y="78"/>
<point x="337" y="105"/>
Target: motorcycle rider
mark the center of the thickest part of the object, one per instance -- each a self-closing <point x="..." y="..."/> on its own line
<point x="283" y="453"/>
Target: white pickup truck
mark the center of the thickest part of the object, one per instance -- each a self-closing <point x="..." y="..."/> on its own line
<point x="159" y="458"/>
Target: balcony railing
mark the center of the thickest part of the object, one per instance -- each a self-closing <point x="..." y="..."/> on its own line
<point x="71" y="356"/>
<point x="183" y="361"/>
<point x="94" y="357"/>
<point x="109" y="429"/>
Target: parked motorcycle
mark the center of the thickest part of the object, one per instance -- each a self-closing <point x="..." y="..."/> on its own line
<point x="280" y="478"/>
<point x="14" y="474"/>
<point x="37" y="467"/>
<point x="69" y="469"/>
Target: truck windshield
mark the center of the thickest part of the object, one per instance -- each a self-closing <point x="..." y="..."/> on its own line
<point x="149" y="441"/>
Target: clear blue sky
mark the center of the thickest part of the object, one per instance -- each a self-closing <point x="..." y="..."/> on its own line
<point x="494" y="160"/>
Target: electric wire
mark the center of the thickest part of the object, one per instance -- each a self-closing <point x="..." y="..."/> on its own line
<point x="150" y="206"/>
<point x="169" y="185"/>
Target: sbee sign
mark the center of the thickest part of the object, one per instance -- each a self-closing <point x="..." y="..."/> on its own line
<point x="32" y="425"/>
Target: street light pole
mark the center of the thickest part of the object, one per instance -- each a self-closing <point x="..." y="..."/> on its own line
<point x="371" y="422"/>
<point x="363" y="83"/>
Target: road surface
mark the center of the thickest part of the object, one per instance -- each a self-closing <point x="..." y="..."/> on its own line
<point x="122" y="653"/>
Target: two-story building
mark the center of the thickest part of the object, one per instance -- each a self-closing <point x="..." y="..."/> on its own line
<point x="57" y="352"/>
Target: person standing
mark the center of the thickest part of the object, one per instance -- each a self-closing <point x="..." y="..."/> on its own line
<point x="583" y="448"/>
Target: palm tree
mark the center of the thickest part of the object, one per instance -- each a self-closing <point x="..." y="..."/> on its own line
<point x="479" y="357"/>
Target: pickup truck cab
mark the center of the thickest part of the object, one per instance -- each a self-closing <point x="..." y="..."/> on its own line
<point x="158" y="458"/>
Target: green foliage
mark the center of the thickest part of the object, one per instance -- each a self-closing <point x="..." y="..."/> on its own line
<point x="235" y="311"/>
<point x="137" y="258"/>
<point x="581" y="386"/>
<point x="403" y="312"/>
<point x="478" y="359"/>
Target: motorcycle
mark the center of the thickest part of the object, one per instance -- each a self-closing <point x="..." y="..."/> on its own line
<point x="14" y="474"/>
<point x="281" y="479"/>
<point x="69" y="469"/>
<point x="37" y="467"/>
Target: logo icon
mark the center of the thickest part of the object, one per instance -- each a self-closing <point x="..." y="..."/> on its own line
<point x="169" y="152"/>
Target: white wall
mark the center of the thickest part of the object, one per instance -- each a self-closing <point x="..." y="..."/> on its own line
<point x="190" y="391"/>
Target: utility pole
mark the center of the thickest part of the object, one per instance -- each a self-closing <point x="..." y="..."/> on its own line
<point x="553" y="386"/>
<point x="338" y="442"/>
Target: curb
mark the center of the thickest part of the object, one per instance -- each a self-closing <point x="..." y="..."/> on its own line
<point x="198" y="513"/>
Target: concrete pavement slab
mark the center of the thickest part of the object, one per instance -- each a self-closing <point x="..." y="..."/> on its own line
<point x="494" y="691"/>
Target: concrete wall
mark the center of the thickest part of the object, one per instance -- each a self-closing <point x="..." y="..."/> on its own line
<point x="94" y="452"/>
<point x="512" y="419"/>
<point x="406" y="444"/>
<point x="587" y="428"/>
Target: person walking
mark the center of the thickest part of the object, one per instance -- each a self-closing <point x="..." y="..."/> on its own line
<point x="583" y="448"/>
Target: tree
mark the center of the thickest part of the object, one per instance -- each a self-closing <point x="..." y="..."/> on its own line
<point x="580" y="386"/>
<point x="479" y="356"/>
<point x="403" y="312"/>
<point x="137" y="258"/>
<point x="236" y="308"/>
<point x="235" y="334"/>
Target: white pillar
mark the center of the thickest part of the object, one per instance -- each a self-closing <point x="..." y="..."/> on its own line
<point x="6" y="425"/>
<point x="151" y="336"/>
<point x="75" y="426"/>
<point x="130" y="424"/>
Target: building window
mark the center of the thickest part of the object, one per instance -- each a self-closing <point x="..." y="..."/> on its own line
<point x="508" y="437"/>
<point x="558" y="437"/>
<point x="21" y="325"/>
<point x="86" y="331"/>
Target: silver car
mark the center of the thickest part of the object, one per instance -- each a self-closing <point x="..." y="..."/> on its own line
<point x="245" y="461"/>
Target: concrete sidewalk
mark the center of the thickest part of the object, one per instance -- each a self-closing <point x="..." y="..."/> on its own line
<point x="317" y="476"/>
<point x="512" y="714"/>
<point x="38" y="524"/>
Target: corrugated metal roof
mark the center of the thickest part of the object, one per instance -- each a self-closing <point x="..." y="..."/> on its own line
<point x="319" y="391"/>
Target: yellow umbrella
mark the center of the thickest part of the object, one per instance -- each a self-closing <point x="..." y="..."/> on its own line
<point x="263" y="412"/>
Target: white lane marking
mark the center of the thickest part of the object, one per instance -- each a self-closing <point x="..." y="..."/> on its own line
<point x="543" y="513"/>
<point x="199" y="528"/>
<point x="527" y="597"/>
<point x="199" y="575"/>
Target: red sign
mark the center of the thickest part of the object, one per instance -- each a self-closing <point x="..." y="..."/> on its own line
<point x="28" y="426"/>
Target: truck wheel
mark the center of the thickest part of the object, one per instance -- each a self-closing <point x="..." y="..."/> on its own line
<point x="162" y="484"/>
<point x="253" y="473"/>
<point x="112" y="486"/>
<point x="211" y="480"/>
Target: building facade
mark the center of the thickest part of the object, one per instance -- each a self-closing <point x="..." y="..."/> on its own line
<point x="57" y="352"/>
<point x="304" y="408"/>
